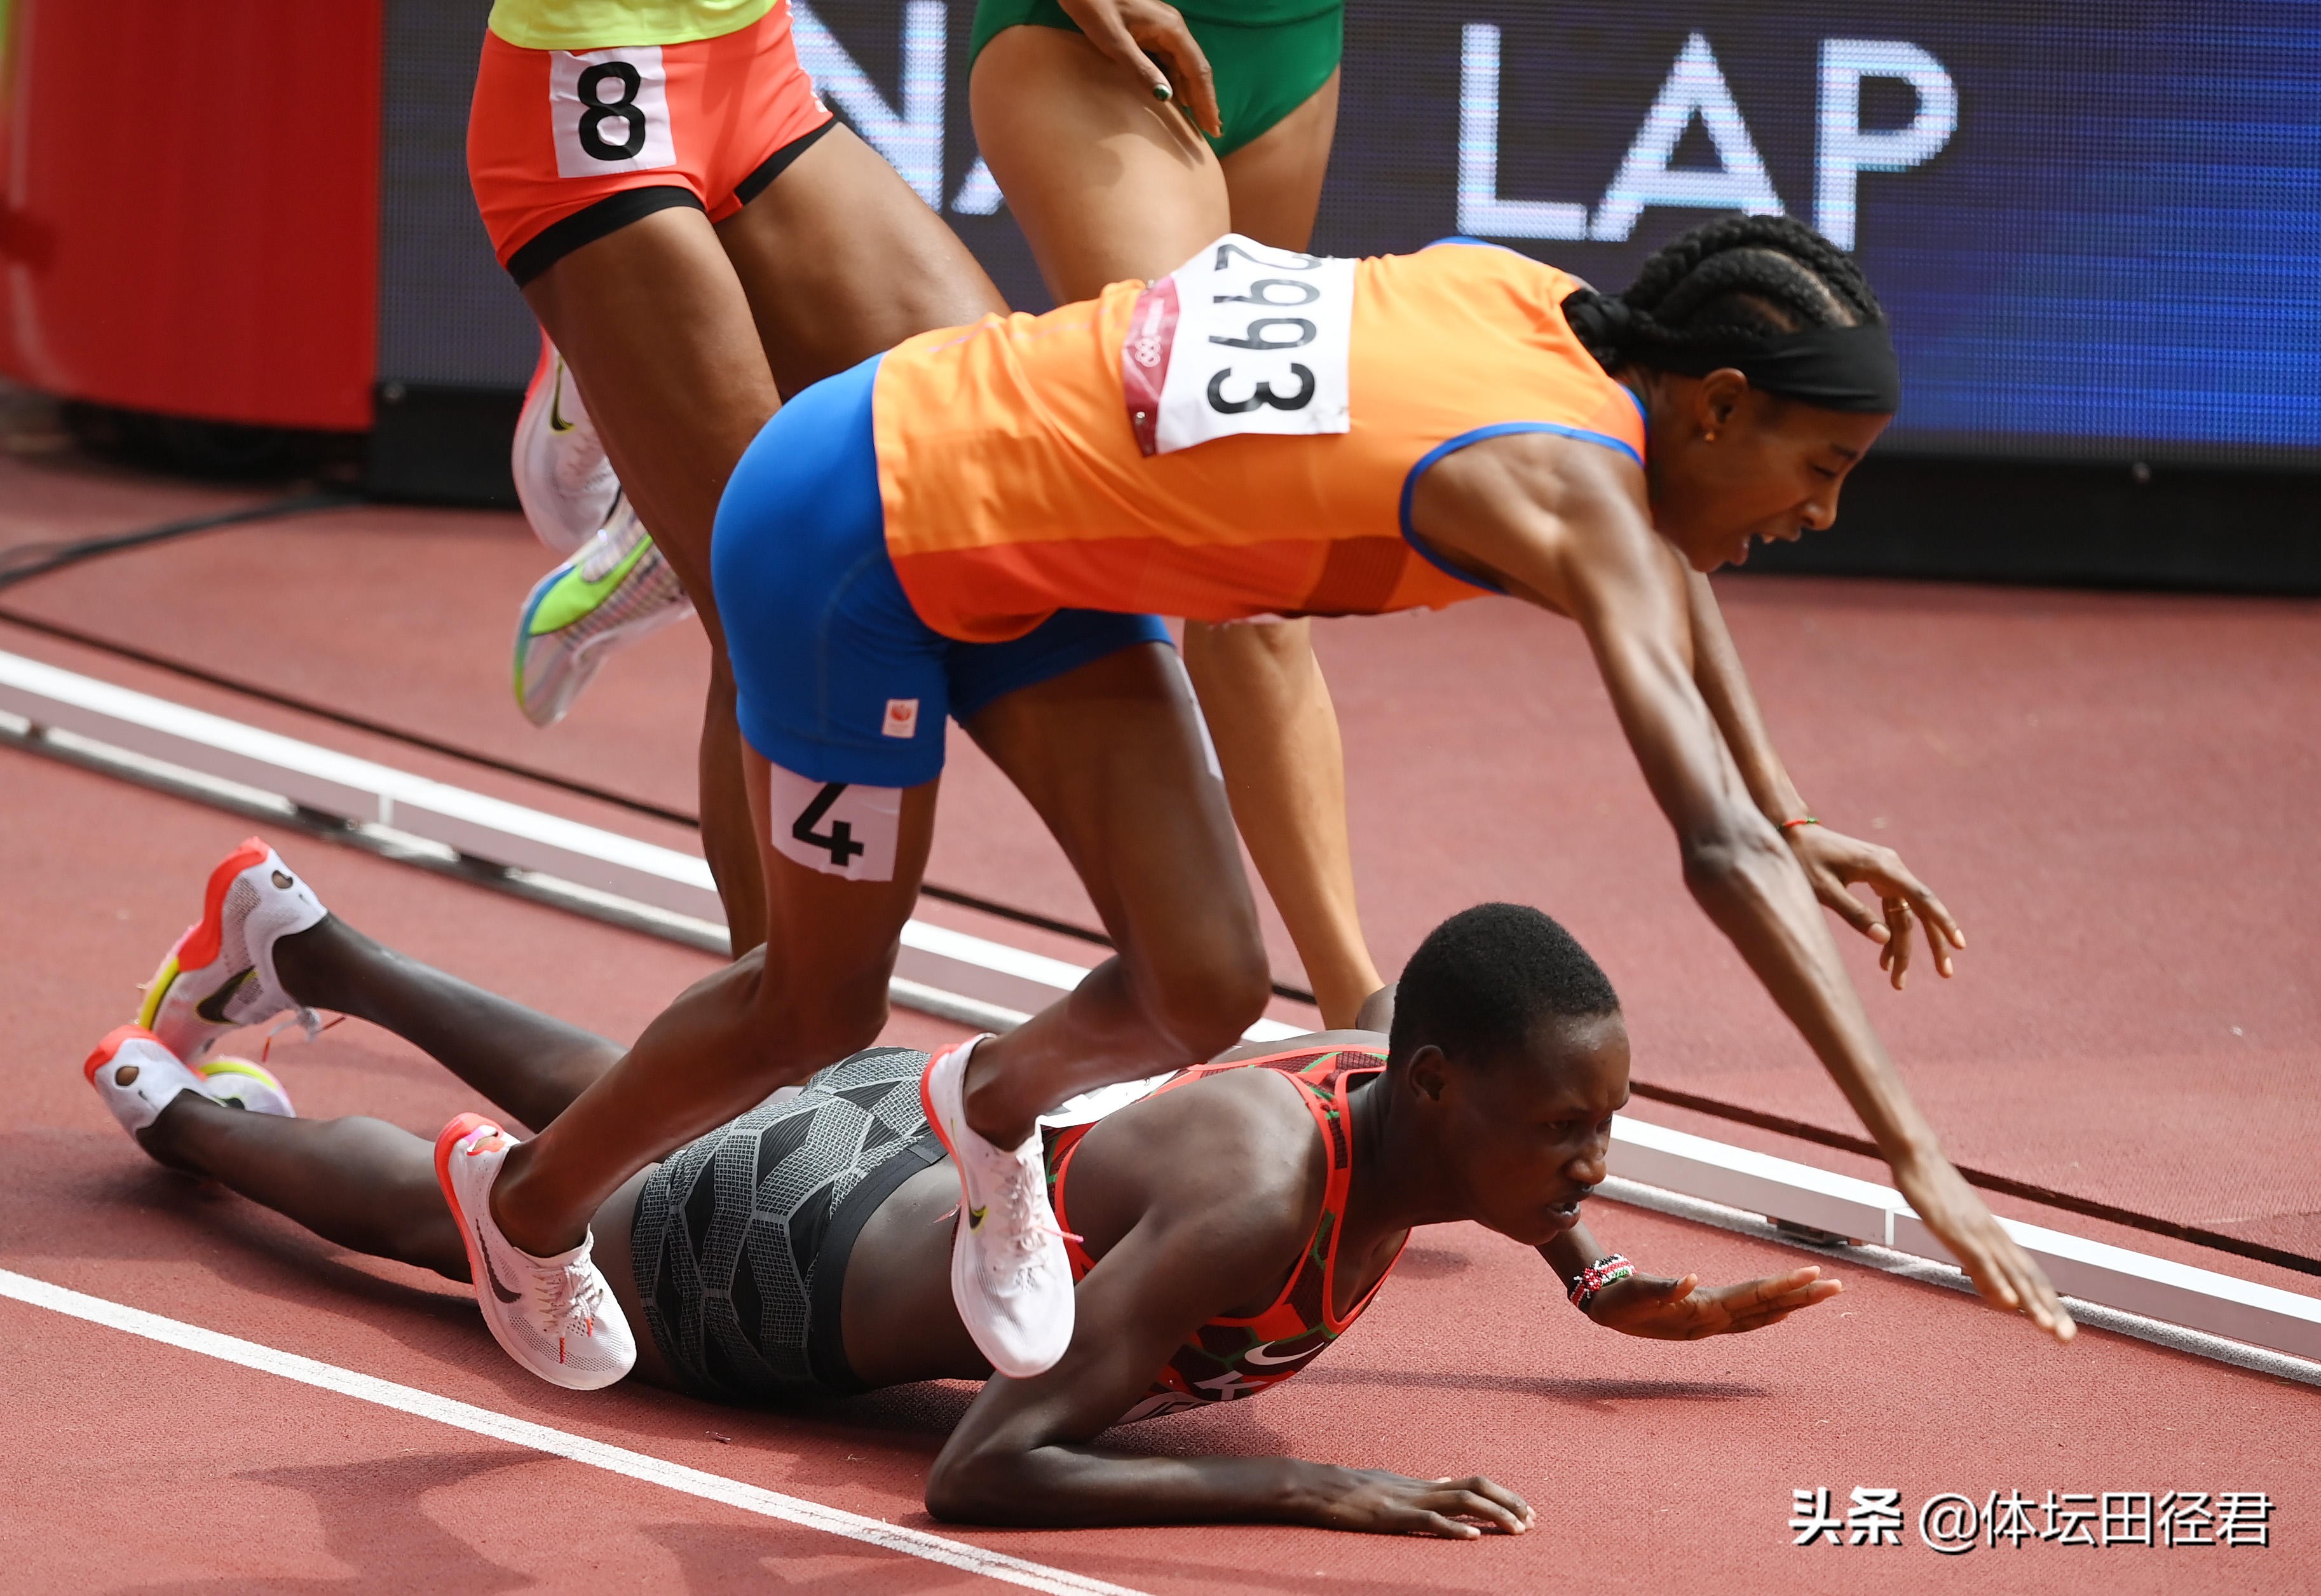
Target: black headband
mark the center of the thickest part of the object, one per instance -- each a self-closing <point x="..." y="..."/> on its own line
<point x="1851" y="369"/>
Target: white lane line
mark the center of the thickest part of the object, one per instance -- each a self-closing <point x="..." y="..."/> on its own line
<point x="156" y="736"/>
<point x="540" y="1437"/>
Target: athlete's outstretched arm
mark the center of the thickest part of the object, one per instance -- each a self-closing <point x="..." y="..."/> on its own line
<point x="1565" y="525"/>
<point x="1022" y="1453"/>
<point x="1664" y="1309"/>
<point x="1833" y="862"/>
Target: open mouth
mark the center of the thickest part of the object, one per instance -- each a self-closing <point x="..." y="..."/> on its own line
<point x="1565" y="1215"/>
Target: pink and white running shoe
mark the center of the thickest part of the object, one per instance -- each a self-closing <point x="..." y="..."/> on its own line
<point x="556" y="1317"/>
<point x="219" y="976"/>
<point x="564" y="479"/>
<point x="1010" y="1276"/>
<point x="138" y="1077"/>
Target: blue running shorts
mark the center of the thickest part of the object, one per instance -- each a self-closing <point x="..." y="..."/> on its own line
<point x="839" y="679"/>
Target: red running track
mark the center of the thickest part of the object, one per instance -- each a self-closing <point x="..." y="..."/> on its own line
<point x="2129" y="868"/>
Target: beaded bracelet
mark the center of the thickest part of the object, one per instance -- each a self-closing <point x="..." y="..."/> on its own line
<point x="1597" y="1276"/>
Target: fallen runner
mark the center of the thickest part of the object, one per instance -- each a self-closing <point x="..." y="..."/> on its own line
<point x="1232" y="1222"/>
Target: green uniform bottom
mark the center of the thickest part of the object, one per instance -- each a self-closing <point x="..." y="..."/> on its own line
<point x="1263" y="72"/>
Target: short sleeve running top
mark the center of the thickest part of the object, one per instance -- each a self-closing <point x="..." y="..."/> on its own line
<point x="1229" y="1358"/>
<point x="1014" y="484"/>
<point x="602" y="25"/>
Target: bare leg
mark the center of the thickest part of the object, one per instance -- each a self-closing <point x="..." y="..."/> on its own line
<point x="813" y="993"/>
<point x="1108" y="186"/>
<point x="1277" y="739"/>
<point x="365" y="1184"/>
<point x="530" y="1065"/>
<point x="841" y="260"/>
<point x="1110" y="756"/>
<point x="658" y="333"/>
<point x="371" y="1186"/>
<point x="683" y="337"/>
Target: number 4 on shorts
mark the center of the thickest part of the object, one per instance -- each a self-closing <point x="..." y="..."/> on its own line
<point x="838" y="842"/>
<point x="838" y="828"/>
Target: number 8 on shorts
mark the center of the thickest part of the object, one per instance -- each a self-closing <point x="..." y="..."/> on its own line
<point x="609" y="109"/>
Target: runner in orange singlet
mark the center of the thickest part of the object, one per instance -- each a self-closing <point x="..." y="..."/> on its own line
<point x="969" y="527"/>
<point x="1126" y="134"/>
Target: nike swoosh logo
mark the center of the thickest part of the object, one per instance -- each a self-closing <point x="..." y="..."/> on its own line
<point x="975" y="1218"/>
<point x="1257" y="1355"/>
<point x="555" y="422"/>
<point x="213" y="1008"/>
<point x="493" y="1275"/>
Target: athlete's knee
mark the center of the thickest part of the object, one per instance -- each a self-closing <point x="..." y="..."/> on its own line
<point x="818" y="1021"/>
<point x="1204" y="991"/>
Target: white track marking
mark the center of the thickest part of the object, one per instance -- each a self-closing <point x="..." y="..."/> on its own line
<point x="2200" y="1299"/>
<point x="540" y="1437"/>
<point x="2221" y="1349"/>
<point x="154" y="735"/>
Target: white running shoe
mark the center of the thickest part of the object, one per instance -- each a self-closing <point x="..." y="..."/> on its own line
<point x="138" y="1077"/>
<point x="556" y="1317"/>
<point x="219" y="976"/>
<point x="614" y="589"/>
<point x="1009" y="1272"/>
<point x="244" y="1083"/>
<point x="562" y="477"/>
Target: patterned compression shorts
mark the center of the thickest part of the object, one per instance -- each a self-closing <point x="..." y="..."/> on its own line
<point x="741" y="1239"/>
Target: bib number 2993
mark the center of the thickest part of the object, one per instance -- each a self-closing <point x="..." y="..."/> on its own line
<point x="609" y="111"/>
<point x="1240" y="338"/>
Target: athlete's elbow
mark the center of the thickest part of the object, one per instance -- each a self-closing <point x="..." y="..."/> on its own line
<point x="977" y="1484"/>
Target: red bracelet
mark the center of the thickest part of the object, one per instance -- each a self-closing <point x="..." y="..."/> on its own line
<point x="1597" y="1276"/>
<point x="1801" y="820"/>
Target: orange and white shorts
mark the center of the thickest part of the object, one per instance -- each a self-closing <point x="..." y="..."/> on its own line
<point x="565" y="146"/>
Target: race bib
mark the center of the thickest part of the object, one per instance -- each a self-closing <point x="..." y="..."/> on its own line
<point x="836" y="827"/>
<point x="609" y="111"/>
<point x="1240" y="338"/>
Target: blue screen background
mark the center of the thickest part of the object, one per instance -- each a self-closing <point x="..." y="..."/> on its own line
<point x="2115" y="256"/>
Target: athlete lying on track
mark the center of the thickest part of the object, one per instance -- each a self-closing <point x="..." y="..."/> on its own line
<point x="1232" y="1224"/>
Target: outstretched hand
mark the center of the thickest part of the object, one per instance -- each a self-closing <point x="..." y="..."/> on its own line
<point x="1834" y="863"/>
<point x="1379" y="1502"/>
<point x="2007" y="1277"/>
<point x="1665" y="1309"/>
<point x="1133" y="31"/>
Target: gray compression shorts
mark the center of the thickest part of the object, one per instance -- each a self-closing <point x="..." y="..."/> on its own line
<point x="741" y="1239"/>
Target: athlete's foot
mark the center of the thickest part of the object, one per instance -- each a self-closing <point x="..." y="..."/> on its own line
<point x="614" y="589"/>
<point x="562" y="477"/>
<point x="555" y="1316"/>
<point x="141" y="1082"/>
<point x="1009" y="1273"/>
<point x="220" y="975"/>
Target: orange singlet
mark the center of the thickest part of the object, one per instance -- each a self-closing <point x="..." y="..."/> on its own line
<point x="1019" y="475"/>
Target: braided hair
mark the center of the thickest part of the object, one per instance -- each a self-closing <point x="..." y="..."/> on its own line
<point x="1730" y="286"/>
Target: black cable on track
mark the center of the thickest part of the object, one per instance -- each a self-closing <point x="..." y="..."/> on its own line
<point x="22" y="561"/>
<point x="72" y="553"/>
